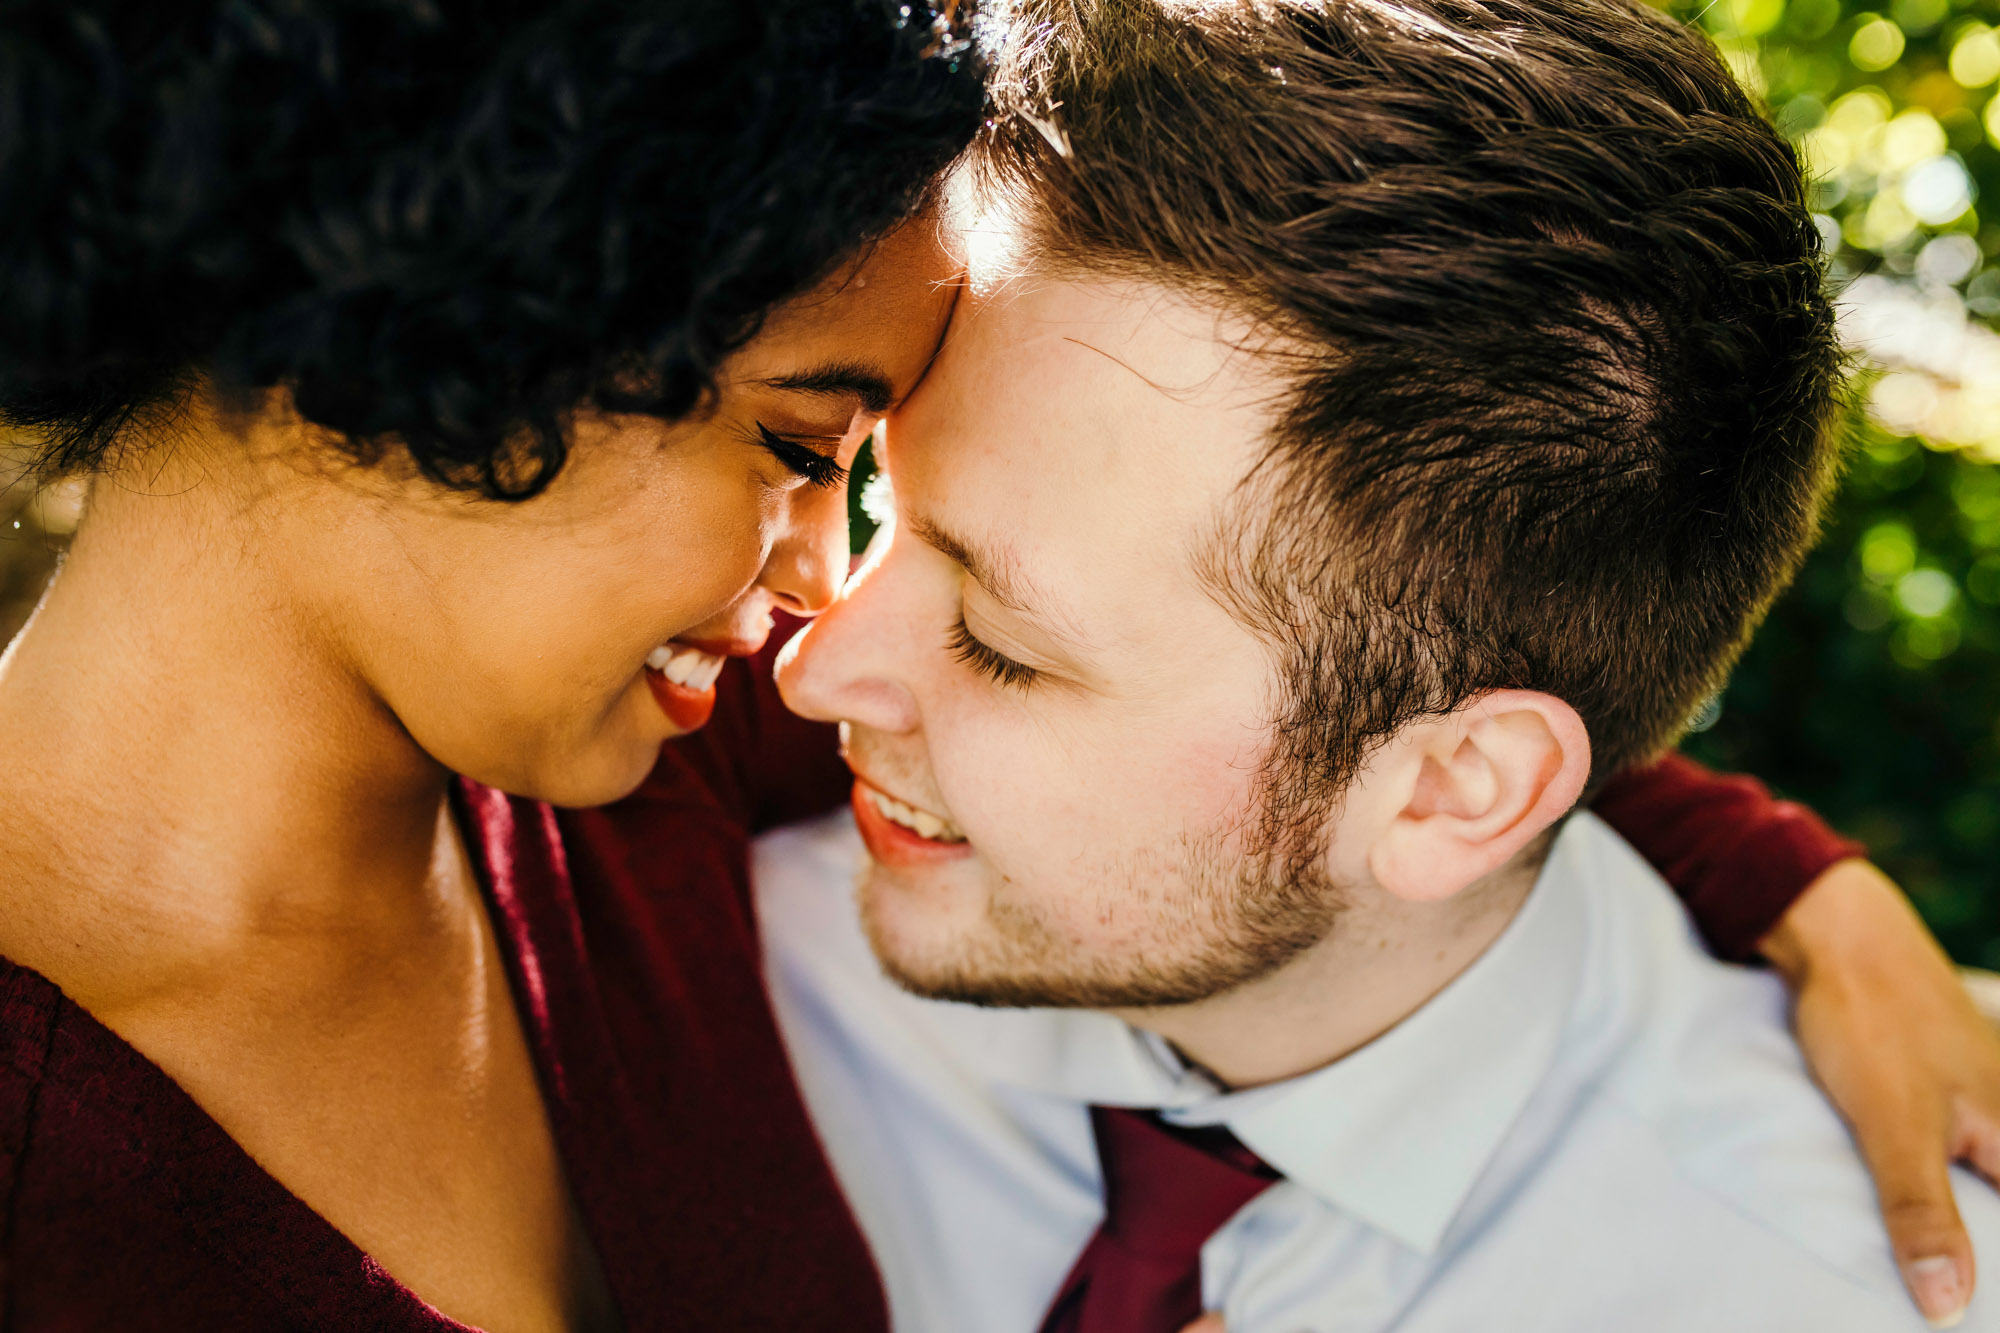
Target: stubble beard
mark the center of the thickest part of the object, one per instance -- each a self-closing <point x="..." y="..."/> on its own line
<point x="1227" y="921"/>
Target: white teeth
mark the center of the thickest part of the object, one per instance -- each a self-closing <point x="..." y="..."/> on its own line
<point x="923" y="822"/>
<point x="690" y="668"/>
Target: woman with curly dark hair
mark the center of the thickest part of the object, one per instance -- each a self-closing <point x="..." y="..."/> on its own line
<point x="461" y="386"/>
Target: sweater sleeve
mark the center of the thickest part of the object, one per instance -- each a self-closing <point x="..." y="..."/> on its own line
<point x="1736" y="855"/>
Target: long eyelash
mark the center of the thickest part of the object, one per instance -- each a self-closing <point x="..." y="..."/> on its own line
<point x="818" y="469"/>
<point x="987" y="661"/>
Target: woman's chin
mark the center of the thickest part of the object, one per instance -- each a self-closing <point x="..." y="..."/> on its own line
<point x="602" y="782"/>
<point x="586" y="757"/>
<point x="595" y="775"/>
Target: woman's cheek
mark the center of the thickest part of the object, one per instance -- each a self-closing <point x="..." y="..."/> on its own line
<point x="712" y="545"/>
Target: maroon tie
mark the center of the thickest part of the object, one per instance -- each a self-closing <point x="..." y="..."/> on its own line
<point x="1166" y="1190"/>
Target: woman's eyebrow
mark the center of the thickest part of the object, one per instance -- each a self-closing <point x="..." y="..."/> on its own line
<point x="864" y="383"/>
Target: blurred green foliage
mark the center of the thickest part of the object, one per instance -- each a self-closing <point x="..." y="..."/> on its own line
<point x="1873" y="693"/>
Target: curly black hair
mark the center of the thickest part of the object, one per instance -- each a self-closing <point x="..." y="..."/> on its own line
<point x="442" y="224"/>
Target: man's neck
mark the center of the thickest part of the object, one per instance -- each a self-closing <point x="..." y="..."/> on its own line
<point x="1380" y="964"/>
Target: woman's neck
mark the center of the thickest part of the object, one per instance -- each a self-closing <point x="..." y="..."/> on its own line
<point x="188" y="768"/>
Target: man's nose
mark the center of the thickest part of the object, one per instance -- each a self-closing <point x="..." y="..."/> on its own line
<point x="844" y="667"/>
<point x="808" y="562"/>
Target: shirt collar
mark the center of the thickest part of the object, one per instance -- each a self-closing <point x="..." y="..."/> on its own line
<point x="1396" y="1133"/>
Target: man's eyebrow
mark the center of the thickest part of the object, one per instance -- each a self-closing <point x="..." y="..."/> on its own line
<point x="841" y="379"/>
<point x="996" y="570"/>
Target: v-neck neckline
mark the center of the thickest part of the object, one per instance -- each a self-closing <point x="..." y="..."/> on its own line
<point x="246" y="1214"/>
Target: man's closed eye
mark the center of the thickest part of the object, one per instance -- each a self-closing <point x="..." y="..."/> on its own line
<point x="987" y="660"/>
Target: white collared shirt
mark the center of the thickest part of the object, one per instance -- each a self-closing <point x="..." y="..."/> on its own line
<point x="1594" y="1127"/>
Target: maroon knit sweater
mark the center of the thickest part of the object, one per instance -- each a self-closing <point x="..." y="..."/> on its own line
<point x="629" y="942"/>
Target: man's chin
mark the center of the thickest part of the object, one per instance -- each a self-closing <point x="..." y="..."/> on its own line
<point x="935" y="979"/>
<point x="967" y="956"/>
<point x="923" y="943"/>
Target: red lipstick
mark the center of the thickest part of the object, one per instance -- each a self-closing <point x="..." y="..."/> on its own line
<point x="689" y="704"/>
<point x="687" y="709"/>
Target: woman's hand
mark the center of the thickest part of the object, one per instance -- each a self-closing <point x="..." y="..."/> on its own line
<point x="1895" y="1041"/>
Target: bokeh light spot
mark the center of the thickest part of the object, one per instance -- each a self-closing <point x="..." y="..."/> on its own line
<point x="1903" y="400"/>
<point x="1919" y="16"/>
<point x="1876" y="45"/>
<point x="1925" y="593"/>
<point x="1754" y="18"/>
<point x="1918" y="643"/>
<point x="1911" y="138"/>
<point x="1982" y="581"/>
<point x="1938" y="191"/>
<point x="1888" y="551"/>
<point x="1946" y="261"/>
<point x="1975" y="58"/>
<point x="1982" y="294"/>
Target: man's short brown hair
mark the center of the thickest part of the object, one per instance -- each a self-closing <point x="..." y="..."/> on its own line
<point x="1561" y="364"/>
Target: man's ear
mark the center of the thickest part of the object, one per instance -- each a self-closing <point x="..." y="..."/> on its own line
<point x="1476" y="786"/>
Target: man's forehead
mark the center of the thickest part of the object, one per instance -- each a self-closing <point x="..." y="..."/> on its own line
<point x="1078" y="400"/>
<point x="1192" y="349"/>
<point x="1074" y="443"/>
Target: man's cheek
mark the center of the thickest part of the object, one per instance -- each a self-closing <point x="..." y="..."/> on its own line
<point x="983" y="758"/>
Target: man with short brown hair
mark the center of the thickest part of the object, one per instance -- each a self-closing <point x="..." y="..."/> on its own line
<point x="1368" y="426"/>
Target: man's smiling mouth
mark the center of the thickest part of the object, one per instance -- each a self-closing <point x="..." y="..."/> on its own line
<point x="923" y="823"/>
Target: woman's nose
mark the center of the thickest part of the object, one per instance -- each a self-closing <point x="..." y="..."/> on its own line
<point x="808" y="562"/>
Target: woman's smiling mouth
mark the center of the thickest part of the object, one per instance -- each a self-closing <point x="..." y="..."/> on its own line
<point x="682" y="678"/>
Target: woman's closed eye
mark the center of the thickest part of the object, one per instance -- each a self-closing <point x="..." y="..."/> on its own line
<point x="989" y="661"/>
<point x="820" y="470"/>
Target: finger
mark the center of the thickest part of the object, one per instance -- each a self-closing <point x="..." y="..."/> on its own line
<point x="1208" y="1323"/>
<point x="1976" y="1138"/>
<point x="1913" y="1181"/>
